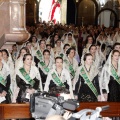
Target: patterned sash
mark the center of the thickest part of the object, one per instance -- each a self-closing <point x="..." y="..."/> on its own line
<point x="3" y="82"/>
<point x="72" y="72"/>
<point x="115" y="75"/>
<point x="57" y="80"/>
<point x="39" y="54"/>
<point x="89" y="83"/>
<point x="44" y="66"/>
<point x="27" y="77"/>
<point x="61" y="55"/>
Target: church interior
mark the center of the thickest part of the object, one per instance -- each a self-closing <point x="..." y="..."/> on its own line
<point x="66" y="48"/>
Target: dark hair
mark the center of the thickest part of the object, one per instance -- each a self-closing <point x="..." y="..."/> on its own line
<point x="57" y="35"/>
<point x="28" y="43"/>
<point x="66" y="46"/>
<point x="69" y="50"/>
<point x="46" y="50"/>
<point x="0" y="51"/>
<point x="14" y="45"/>
<point x="58" y="58"/>
<point x="98" y="43"/>
<point x="91" y="46"/>
<point x="86" y="41"/>
<point x="86" y="55"/>
<point x="57" y="40"/>
<point x="114" y="51"/>
<point x="41" y="41"/>
<point x="65" y="34"/>
<point x="4" y="50"/>
<point x="69" y="34"/>
<point x="32" y="38"/>
<point x="115" y="45"/>
<point x="48" y="45"/>
<point x="103" y="47"/>
<point x="24" y="57"/>
<point x="24" y="48"/>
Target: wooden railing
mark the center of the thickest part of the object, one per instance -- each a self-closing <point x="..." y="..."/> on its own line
<point x="10" y="111"/>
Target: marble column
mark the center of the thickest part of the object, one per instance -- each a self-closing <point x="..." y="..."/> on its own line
<point x="13" y="20"/>
<point x="63" y="11"/>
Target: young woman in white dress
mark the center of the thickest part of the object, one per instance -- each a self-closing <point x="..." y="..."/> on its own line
<point x="8" y="60"/>
<point x="70" y="62"/>
<point x="45" y="65"/>
<point x="59" y="76"/>
<point x="19" y="60"/>
<point x="5" y="81"/>
<point x="28" y="79"/>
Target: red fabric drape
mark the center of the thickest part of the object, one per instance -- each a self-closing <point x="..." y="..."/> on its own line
<point x="53" y="10"/>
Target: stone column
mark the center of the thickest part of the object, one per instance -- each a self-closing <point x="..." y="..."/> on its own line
<point x="13" y="17"/>
<point x="63" y="11"/>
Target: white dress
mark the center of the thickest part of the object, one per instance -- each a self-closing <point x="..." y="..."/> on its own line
<point x="64" y="77"/>
<point x="22" y="82"/>
<point x="5" y="74"/>
<point x="74" y="66"/>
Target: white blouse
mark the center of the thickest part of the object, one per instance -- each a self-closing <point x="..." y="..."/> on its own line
<point x="65" y="77"/>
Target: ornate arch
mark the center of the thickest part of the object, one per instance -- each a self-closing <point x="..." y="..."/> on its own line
<point x="96" y="8"/>
<point x="116" y="17"/>
<point x="95" y="2"/>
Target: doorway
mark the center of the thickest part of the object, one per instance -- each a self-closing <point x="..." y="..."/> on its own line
<point x="86" y="12"/>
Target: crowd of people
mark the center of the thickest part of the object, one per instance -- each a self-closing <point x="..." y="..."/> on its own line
<point x="84" y="61"/>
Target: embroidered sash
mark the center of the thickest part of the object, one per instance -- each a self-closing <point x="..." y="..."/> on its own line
<point x="3" y="82"/>
<point x="114" y="74"/>
<point x="89" y="83"/>
<point x="61" y="55"/>
<point x="57" y="80"/>
<point x="27" y="77"/>
<point x="72" y="72"/>
<point x="39" y="54"/>
<point x="44" y="66"/>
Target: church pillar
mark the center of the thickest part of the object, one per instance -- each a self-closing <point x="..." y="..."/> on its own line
<point x="14" y="22"/>
<point x="63" y="11"/>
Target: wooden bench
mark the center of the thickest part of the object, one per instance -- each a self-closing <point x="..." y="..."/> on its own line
<point x="10" y="111"/>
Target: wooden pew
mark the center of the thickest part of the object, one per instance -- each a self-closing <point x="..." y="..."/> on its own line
<point x="10" y="111"/>
<point x="113" y="111"/>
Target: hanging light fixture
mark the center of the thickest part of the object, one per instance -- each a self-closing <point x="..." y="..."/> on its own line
<point x="38" y="1"/>
<point x="77" y="1"/>
<point x="102" y="3"/>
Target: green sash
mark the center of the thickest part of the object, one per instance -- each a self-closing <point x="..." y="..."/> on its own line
<point x="57" y="80"/>
<point x="89" y="83"/>
<point x="39" y="54"/>
<point x="44" y="66"/>
<point x="114" y="74"/>
<point x="3" y="82"/>
<point x="72" y="72"/>
<point x="61" y="55"/>
<point x="27" y="77"/>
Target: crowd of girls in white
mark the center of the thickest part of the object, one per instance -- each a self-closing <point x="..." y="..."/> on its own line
<point x="84" y="60"/>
